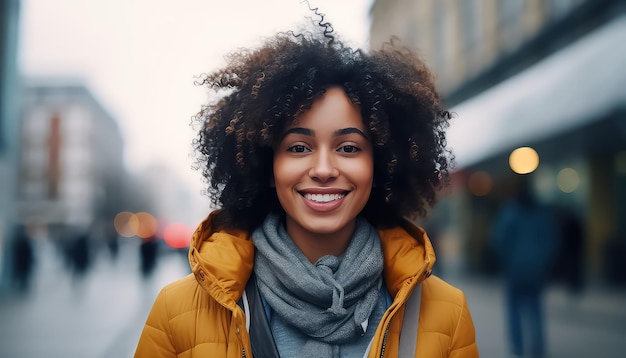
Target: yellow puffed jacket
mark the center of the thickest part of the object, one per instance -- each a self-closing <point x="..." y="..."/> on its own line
<point x="198" y="316"/>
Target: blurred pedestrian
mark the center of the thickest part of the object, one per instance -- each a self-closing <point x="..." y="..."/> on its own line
<point x="113" y="244"/>
<point x="571" y="258"/>
<point x="316" y="155"/>
<point x="23" y="259"/>
<point x="80" y="255"/>
<point x="148" y="251"/>
<point x="105" y="233"/>
<point x="525" y="239"/>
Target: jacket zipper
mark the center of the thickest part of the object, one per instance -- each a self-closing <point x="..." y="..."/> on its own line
<point x="382" y="349"/>
<point x="243" y="352"/>
<point x="384" y="345"/>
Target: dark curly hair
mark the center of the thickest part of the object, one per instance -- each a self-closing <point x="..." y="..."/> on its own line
<point x="260" y="91"/>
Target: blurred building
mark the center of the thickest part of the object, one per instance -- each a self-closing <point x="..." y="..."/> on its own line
<point x="71" y="167"/>
<point x="545" y="74"/>
<point x="9" y="95"/>
<point x="171" y="199"/>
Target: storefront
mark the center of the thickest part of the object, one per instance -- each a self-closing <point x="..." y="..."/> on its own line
<point x="571" y="109"/>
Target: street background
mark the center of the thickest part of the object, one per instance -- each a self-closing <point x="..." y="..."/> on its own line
<point x="101" y="314"/>
<point x="98" y="195"/>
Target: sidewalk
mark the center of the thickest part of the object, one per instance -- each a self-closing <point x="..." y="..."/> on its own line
<point x="99" y="316"/>
<point x="591" y="325"/>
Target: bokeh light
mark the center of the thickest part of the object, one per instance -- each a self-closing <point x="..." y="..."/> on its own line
<point x="122" y="224"/>
<point x="568" y="180"/>
<point x="177" y="235"/>
<point x="524" y="160"/>
<point x="142" y="225"/>
<point x="146" y="225"/>
<point x="480" y="183"/>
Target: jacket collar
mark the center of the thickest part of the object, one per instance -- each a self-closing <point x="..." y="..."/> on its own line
<point x="408" y="256"/>
<point x="222" y="261"/>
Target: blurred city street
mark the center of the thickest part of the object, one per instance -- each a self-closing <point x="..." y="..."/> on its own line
<point x="98" y="315"/>
<point x="102" y="314"/>
<point x="99" y="118"/>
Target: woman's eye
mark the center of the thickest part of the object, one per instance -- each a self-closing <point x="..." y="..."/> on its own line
<point x="349" y="149"/>
<point x="299" y="148"/>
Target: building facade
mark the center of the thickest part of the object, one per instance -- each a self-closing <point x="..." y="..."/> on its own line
<point x="71" y="166"/>
<point x="9" y="99"/>
<point x="544" y="74"/>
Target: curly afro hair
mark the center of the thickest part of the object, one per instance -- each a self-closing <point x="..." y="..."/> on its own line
<point x="260" y="91"/>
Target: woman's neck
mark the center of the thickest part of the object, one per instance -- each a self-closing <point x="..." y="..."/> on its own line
<point x="315" y="245"/>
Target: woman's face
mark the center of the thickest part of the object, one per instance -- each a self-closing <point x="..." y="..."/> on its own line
<point x="323" y="167"/>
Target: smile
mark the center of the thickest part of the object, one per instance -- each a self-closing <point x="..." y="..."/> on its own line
<point x="323" y="198"/>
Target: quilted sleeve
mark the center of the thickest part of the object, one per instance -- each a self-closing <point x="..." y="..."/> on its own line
<point x="156" y="338"/>
<point x="464" y="337"/>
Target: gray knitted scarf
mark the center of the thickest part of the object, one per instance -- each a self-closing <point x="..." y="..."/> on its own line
<point x="329" y="301"/>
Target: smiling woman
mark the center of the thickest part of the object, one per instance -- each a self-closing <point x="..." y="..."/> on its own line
<point x="323" y="172"/>
<point x="317" y="155"/>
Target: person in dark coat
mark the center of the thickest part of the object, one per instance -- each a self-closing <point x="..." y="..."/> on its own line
<point x="525" y="240"/>
<point x="148" y="252"/>
<point x="23" y="259"/>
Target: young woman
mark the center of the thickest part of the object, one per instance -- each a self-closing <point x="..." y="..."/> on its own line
<point x="317" y="156"/>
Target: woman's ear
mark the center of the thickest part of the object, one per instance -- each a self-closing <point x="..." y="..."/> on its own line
<point x="272" y="182"/>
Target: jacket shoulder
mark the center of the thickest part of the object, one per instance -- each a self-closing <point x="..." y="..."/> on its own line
<point x="173" y="301"/>
<point x="182" y="286"/>
<point x="444" y="312"/>
<point x="182" y="297"/>
<point x="174" y="324"/>
<point x="442" y="305"/>
<point x="436" y="289"/>
<point x="158" y="335"/>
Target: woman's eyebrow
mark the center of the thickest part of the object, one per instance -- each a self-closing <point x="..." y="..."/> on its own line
<point x="298" y="130"/>
<point x="350" y="130"/>
<point x="311" y="133"/>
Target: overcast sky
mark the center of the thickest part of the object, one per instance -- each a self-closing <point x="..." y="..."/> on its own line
<point x="140" y="57"/>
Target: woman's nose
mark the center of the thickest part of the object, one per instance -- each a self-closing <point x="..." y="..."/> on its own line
<point x="323" y="168"/>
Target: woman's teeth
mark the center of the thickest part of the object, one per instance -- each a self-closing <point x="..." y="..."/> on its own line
<point x="323" y="198"/>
